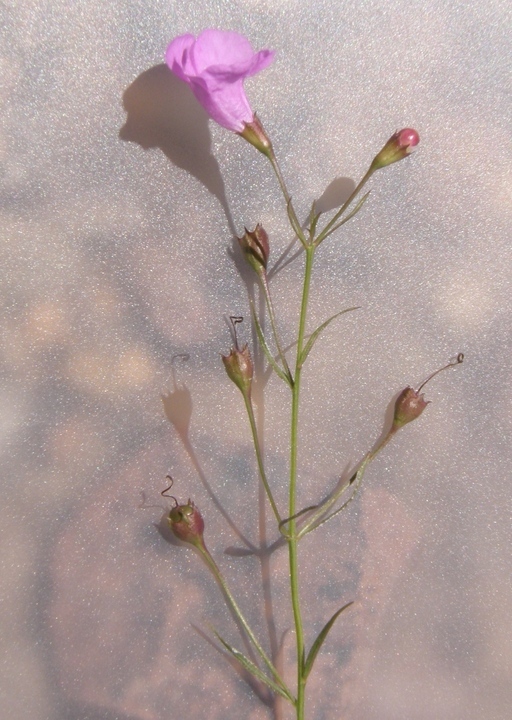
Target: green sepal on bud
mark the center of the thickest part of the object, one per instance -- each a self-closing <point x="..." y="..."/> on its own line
<point x="240" y="369"/>
<point x="187" y="524"/>
<point x="398" y="147"/>
<point x="256" y="249"/>
<point x="254" y="133"/>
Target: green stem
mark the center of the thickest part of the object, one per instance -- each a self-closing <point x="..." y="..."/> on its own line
<point x="271" y="314"/>
<point x="292" y="539"/>
<point x="259" y="456"/>
<point x="238" y="613"/>
<point x="291" y="212"/>
<point x="345" y="205"/>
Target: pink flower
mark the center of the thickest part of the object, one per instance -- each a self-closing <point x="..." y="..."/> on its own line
<point x="215" y="66"/>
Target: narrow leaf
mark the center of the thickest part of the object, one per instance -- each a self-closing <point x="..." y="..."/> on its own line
<point x="294" y="517"/>
<point x="312" y="228"/>
<point x="349" y="216"/>
<point x="294" y="223"/>
<point x="255" y="670"/>
<point x="320" y="639"/>
<point x="313" y="220"/>
<point x="316" y="333"/>
<point x="266" y="348"/>
<point x="312" y="213"/>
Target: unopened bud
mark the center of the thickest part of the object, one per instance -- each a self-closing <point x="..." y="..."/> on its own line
<point x="398" y="147"/>
<point x="239" y="368"/>
<point x="187" y="524"/>
<point x="256" y="248"/>
<point x="409" y="405"/>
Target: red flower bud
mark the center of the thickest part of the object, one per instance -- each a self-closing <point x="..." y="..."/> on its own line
<point x="239" y="368"/>
<point x="409" y="405"/>
<point x="399" y="146"/>
<point x="256" y="248"/>
<point x="187" y="524"/>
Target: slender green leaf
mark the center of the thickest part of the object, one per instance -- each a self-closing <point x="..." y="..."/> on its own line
<point x="294" y="223"/>
<point x="294" y="517"/>
<point x="313" y="220"/>
<point x="316" y="333"/>
<point x="311" y="213"/>
<point x="320" y="639"/>
<point x="347" y="217"/>
<point x="266" y="348"/>
<point x="312" y="229"/>
<point x="255" y="670"/>
<point x="354" y="482"/>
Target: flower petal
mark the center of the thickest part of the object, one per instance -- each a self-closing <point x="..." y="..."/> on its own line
<point x="227" y="49"/>
<point x="177" y="54"/>
<point x="214" y="66"/>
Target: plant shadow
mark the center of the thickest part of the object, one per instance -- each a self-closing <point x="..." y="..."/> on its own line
<point x="163" y="113"/>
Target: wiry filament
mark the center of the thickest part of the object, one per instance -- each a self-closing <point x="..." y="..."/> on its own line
<point x="236" y="320"/>
<point x="453" y="362"/>
<point x="165" y="493"/>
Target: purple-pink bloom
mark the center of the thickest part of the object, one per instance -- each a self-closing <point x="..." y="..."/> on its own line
<point x="215" y="65"/>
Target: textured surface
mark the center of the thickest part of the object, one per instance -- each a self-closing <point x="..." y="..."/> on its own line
<point x="119" y="202"/>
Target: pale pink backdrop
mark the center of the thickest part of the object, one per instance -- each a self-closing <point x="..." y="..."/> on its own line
<point x="119" y="205"/>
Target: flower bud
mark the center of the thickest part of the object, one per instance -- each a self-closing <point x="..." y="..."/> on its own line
<point x="256" y="248"/>
<point x="239" y="368"/>
<point x="409" y="405"/>
<point x="397" y="148"/>
<point x="254" y="133"/>
<point x="187" y="524"/>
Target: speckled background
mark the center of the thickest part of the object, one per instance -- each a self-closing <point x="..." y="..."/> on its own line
<point x="119" y="204"/>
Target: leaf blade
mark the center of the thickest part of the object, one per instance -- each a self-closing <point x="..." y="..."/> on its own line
<point x="314" y="335"/>
<point x="320" y="640"/>
<point x="266" y="348"/>
<point x="255" y="670"/>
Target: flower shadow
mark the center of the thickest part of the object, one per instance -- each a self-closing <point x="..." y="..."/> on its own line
<point x="335" y="194"/>
<point x="162" y="112"/>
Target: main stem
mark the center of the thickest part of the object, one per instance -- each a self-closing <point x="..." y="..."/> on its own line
<point x="292" y="540"/>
